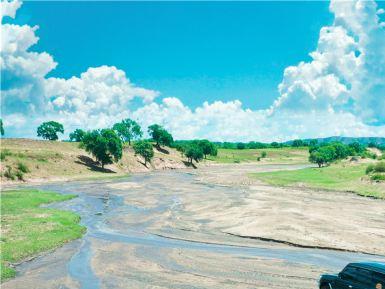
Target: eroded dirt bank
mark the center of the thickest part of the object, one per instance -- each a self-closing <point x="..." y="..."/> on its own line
<point x="170" y="229"/>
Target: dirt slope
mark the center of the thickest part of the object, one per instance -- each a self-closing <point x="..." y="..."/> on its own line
<point x="54" y="161"/>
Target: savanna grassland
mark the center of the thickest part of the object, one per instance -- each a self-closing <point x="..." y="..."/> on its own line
<point x="342" y="176"/>
<point x="285" y="155"/>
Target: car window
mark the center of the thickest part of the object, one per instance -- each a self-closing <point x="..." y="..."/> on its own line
<point x="349" y="274"/>
<point x="363" y="276"/>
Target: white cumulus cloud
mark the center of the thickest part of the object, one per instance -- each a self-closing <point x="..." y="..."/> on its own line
<point x="347" y="70"/>
<point x="341" y="91"/>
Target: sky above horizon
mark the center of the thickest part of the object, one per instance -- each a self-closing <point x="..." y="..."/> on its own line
<point x="225" y="71"/>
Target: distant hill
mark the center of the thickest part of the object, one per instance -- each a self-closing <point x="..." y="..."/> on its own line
<point x="348" y="140"/>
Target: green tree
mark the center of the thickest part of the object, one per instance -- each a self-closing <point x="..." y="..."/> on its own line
<point x="274" y="144"/>
<point x="1" y="127"/>
<point x="144" y="149"/>
<point x="49" y="130"/>
<point x="160" y="135"/>
<point x="77" y="135"/>
<point x="241" y="146"/>
<point x="193" y="152"/>
<point x="128" y="130"/>
<point x="342" y="150"/>
<point x="323" y="155"/>
<point x="208" y="148"/>
<point x="104" y="145"/>
<point x="357" y="147"/>
<point x="297" y="143"/>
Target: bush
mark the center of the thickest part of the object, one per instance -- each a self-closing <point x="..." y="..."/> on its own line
<point x="377" y="177"/>
<point x="263" y="154"/>
<point x="380" y="167"/>
<point x="4" y="153"/>
<point x="23" y="167"/>
<point x="19" y="175"/>
<point x="9" y="173"/>
<point x="369" y="169"/>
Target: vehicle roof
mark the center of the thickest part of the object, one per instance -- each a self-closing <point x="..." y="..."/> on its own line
<point x="374" y="266"/>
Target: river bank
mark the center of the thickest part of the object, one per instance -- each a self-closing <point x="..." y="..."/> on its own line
<point x="177" y="229"/>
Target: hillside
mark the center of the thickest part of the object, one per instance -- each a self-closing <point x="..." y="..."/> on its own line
<point x="53" y="160"/>
<point x="348" y="140"/>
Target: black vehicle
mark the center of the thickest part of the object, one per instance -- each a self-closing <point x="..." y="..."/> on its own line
<point x="356" y="276"/>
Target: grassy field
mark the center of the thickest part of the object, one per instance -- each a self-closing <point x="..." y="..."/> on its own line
<point x="273" y="155"/>
<point x="341" y="177"/>
<point x="27" y="229"/>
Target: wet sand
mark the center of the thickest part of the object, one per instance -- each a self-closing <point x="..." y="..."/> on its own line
<point x="179" y="229"/>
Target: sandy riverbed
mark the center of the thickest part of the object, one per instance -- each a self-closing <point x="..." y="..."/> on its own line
<point x="179" y="229"/>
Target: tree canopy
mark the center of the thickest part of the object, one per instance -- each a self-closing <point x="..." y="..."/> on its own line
<point x="144" y="149"/>
<point x="329" y="152"/>
<point x="77" y="135"/>
<point x="160" y="135"/>
<point x="208" y="148"/>
<point x="49" y="130"/>
<point x="104" y="145"/>
<point x="193" y="152"/>
<point x="128" y="130"/>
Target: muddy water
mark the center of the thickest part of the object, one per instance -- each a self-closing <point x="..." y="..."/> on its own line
<point x="131" y="242"/>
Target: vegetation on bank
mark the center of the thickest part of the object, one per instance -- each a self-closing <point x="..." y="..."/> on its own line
<point x="340" y="177"/>
<point x="28" y="229"/>
<point x="108" y="146"/>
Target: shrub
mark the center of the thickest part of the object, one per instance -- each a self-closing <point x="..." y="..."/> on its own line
<point x="380" y="167"/>
<point x="263" y="154"/>
<point x="20" y="175"/>
<point x="369" y="169"/>
<point x="4" y="153"/>
<point x="23" y="167"/>
<point x="9" y="173"/>
<point x="377" y="177"/>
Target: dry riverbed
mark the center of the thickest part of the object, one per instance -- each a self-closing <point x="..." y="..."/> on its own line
<point x="180" y="229"/>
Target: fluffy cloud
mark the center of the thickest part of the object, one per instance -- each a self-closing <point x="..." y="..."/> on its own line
<point x="341" y="91"/>
<point x="347" y="70"/>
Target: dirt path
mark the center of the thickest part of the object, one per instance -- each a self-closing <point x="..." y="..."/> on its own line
<point x="171" y="229"/>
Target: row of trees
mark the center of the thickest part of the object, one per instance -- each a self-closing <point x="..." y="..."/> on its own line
<point x="106" y="145"/>
<point x="330" y="152"/>
<point x="196" y="150"/>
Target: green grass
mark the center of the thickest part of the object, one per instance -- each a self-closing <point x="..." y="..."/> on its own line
<point x="335" y="177"/>
<point x="273" y="155"/>
<point x="27" y="229"/>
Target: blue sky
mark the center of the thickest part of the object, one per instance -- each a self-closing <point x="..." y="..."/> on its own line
<point x="226" y="71"/>
<point x="195" y="51"/>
